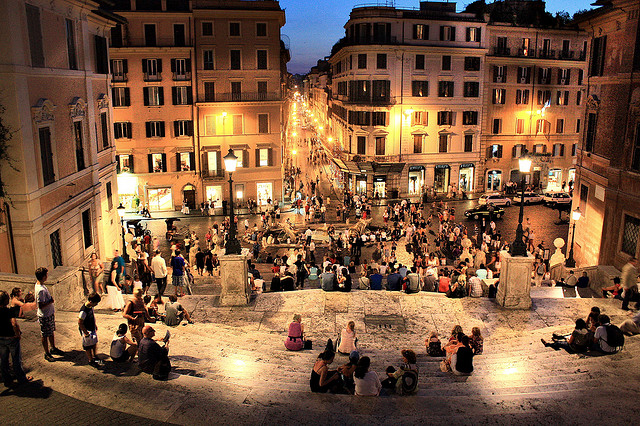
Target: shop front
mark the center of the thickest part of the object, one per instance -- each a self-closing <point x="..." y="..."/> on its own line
<point x="416" y="180"/>
<point x="189" y="196"/>
<point x="554" y="180"/>
<point x="128" y="191"/>
<point x="571" y="177"/>
<point x="494" y="180"/>
<point x="442" y="173"/>
<point x="379" y="186"/>
<point x="466" y="176"/>
<point x="265" y="192"/>
<point x="361" y="184"/>
<point x="160" y="199"/>
<point x="214" y="195"/>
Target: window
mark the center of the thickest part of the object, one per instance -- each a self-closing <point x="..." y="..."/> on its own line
<point x="234" y="56"/>
<point x="183" y="128"/>
<point x="574" y="149"/>
<point x="381" y="61"/>
<point x="362" y="61"/>
<point x="71" y="44"/>
<point x="181" y="95"/>
<point x="445" y="118"/>
<point x="102" y="55"/>
<point x="420" y="88"/>
<point x="261" y="29"/>
<point x="526" y="50"/>
<point x="470" y="118"/>
<point x="109" y="191"/>
<point x="446" y="63"/>
<point x="591" y="132"/>
<point x="471" y="63"/>
<point x="584" y="196"/>
<point x="378" y="118"/>
<point x="179" y="35"/>
<point x="447" y="33"/>
<point x="473" y="34"/>
<point x="237" y="124"/>
<point x="497" y="126"/>
<point x="124" y="163"/>
<point x="209" y="91"/>
<point x="119" y="69"/>
<point x="578" y="122"/>
<point x="580" y="77"/>
<point x="86" y="229"/>
<point x="522" y="96"/>
<point x="630" y="234"/>
<point x="181" y="69"/>
<point x="517" y="151"/>
<point x="157" y="163"/>
<point x="35" y="36"/>
<point x="560" y="125"/>
<point x="236" y="90"/>
<point x="420" y="32"/>
<point x="234" y="29"/>
<point x="501" y="46"/>
<point x="635" y="154"/>
<point x="207" y="59"/>
<point x="362" y="145"/>
<point x="104" y="130"/>
<point x="558" y="150"/>
<point x="154" y="129"/>
<point x="116" y="36"/>
<point x="564" y="76"/>
<point x="46" y="156"/>
<point x="499" y="96"/>
<point x="417" y="144"/>
<point x="500" y="74"/>
<point x="445" y="89"/>
<point x="207" y="29"/>
<point x="519" y="126"/>
<point x="360" y="118"/>
<point x="263" y="157"/>
<point x="79" y="139"/>
<point x="419" y="62"/>
<point x="262" y="90"/>
<point x="152" y="69"/>
<point x="122" y="130"/>
<point x="562" y="97"/>
<point x="471" y="89"/>
<point x="120" y="96"/>
<point x="544" y="76"/>
<point x="262" y="59"/>
<point x="495" y="151"/>
<point x="598" y="49"/>
<point x="546" y="48"/>
<point x="150" y="35"/>
<point x="153" y="95"/>
<point x="419" y="118"/>
<point x="544" y="96"/>
<point x="185" y="161"/>
<point x="380" y="145"/>
<point x="380" y="90"/>
<point x="524" y="75"/>
<point x="543" y="126"/>
<point x="468" y="143"/>
<point x="56" y="248"/>
<point x="443" y="142"/>
<point x="263" y="123"/>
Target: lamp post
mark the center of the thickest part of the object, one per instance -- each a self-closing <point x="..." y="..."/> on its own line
<point x="519" y="248"/>
<point x="575" y="215"/>
<point x="121" y="210"/>
<point x="233" y="245"/>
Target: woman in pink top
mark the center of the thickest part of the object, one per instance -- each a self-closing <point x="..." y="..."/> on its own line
<point x="445" y="282"/>
<point x="294" y="341"/>
<point x="348" y="339"/>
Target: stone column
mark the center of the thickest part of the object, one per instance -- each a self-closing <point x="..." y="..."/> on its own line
<point x="234" y="279"/>
<point x="515" y="281"/>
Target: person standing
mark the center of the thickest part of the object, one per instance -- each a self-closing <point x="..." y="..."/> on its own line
<point x="88" y="329"/>
<point x="178" y="266"/>
<point x="95" y="271"/>
<point x="159" y="267"/>
<point x="46" y="315"/>
<point x="10" y="342"/>
<point x="630" y="283"/>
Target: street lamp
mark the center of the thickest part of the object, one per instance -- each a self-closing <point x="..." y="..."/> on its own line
<point x="121" y="210"/>
<point x="575" y="215"/>
<point x="233" y="245"/>
<point x="519" y="248"/>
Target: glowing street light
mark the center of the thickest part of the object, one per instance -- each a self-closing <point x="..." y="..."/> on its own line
<point x="575" y="215"/>
<point x="519" y="248"/>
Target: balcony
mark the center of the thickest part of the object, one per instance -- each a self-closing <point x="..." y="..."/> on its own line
<point x="565" y="55"/>
<point x="357" y="41"/>
<point x="182" y="76"/>
<point x="119" y="77"/>
<point x="526" y="53"/>
<point x="242" y="97"/>
<point x="501" y="51"/>
<point x="152" y="77"/>
<point x="212" y="174"/>
<point x="158" y="42"/>
<point x="366" y="100"/>
<point x="546" y="54"/>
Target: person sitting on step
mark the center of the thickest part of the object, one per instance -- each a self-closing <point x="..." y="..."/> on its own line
<point x="348" y="339"/>
<point x="405" y="379"/>
<point x="579" y="341"/>
<point x="295" y="336"/>
<point x="322" y="379"/>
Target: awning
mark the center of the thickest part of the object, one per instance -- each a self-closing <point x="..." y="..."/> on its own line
<point x="352" y="167"/>
<point x="341" y="165"/>
<point x="365" y="167"/>
<point x="387" y="168"/>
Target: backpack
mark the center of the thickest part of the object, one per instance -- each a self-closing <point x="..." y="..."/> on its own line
<point x="408" y="382"/>
<point x="615" y="337"/>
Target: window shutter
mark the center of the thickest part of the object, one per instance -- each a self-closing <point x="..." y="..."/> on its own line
<point x="189" y="95"/>
<point x="174" y="95"/>
<point x="159" y="62"/>
<point x="125" y="67"/>
<point x="415" y="31"/>
<point x="176" y="128"/>
<point x="173" y="65"/>
<point x="178" y="168"/>
<point x="562" y="150"/>
<point x="147" y="126"/>
<point x="164" y="162"/>
<point x="116" y="131"/>
<point x="192" y="161"/>
<point x="161" y="95"/>
<point x="245" y="158"/>
<point x="513" y="151"/>
<point x="111" y="65"/>
<point x="479" y="34"/>
<point x="145" y="94"/>
<point x="188" y="65"/>
<point x="161" y="129"/>
<point x="544" y="147"/>
<point x="489" y="152"/>
<point x="568" y="77"/>
<point x="127" y="97"/>
<point x="453" y="33"/>
<point x="190" y="128"/>
<point x="117" y="164"/>
<point x="257" y="157"/>
<point x="499" y="151"/>
<point x="150" y="160"/>
<point x="468" y="34"/>
<point x="131" y="169"/>
<point x="219" y="162"/>
<point x="204" y="162"/>
<point x="441" y="32"/>
<point x="495" y="70"/>
<point x="144" y="66"/>
<point x="129" y="132"/>
<point x="270" y="157"/>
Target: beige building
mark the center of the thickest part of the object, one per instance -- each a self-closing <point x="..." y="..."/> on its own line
<point x="193" y="79"/>
<point x="54" y="85"/>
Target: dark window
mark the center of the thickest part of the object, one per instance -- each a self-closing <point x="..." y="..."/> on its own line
<point x="578" y="122"/>
<point x="559" y="125"/>
<point x="471" y="89"/>
<point x="420" y="88"/>
<point x="104" y="123"/>
<point x="153" y="95"/>
<point x="46" y="155"/>
<point x="35" y="36"/>
<point x="497" y="125"/>
<point x="207" y="28"/>
<point x="470" y="118"/>
<point x="381" y="61"/>
<point x="262" y="59"/>
<point x="263" y="123"/>
<point x="362" y="145"/>
<point x="473" y="34"/>
<point x="378" y="118"/>
<point x="447" y="33"/>
<point x="380" y="90"/>
<point x="584" y="197"/>
<point x="86" y="229"/>
<point x="261" y="29"/>
<point x="235" y="59"/>
<point x="445" y="89"/>
<point x="181" y="95"/>
<point x="446" y="63"/>
<point x="362" y="61"/>
<point x="122" y="130"/>
<point x="495" y="151"/>
<point x="591" y="132"/>
<point x="419" y="62"/>
<point x="209" y="91"/>
<point x="116" y="36"/>
<point x="71" y="44"/>
<point x="522" y="96"/>
<point x="120" y="96"/>
<point x="102" y="56"/>
<point x="574" y="149"/>
<point x="598" y="49"/>
<point x="154" y="129"/>
<point x="544" y="75"/>
<point x="56" y="248"/>
<point x="360" y="118"/>
<point x="236" y="90"/>
<point x="468" y="143"/>
<point x="150" y="35"/>
<point x="630" y="234"/>
<point x="578" y="98"/>
<point x="207" y="59"/>
<point x="445" y="118"/>
<point x="178" y="35"/>
<point x="524" y="75"/>
<point x="77" y="133"/>
<point x="500" y="74"/>
<point x="109" y="196"/>
<point x="443" y="142"/>
<point x="262" y="90"/>
<point x="420" y="32"/>
<point x="471" y="63"/>
<point x="234" y="29"/>
<point x="499" y="96"/>
<point x="380" y="145"/>
<point x="183" y="128"/>
<point x="544" y="96"/>
<point x="635" y="155"/>
<point x="148" y="5"/>
<point x="119" y="69"/>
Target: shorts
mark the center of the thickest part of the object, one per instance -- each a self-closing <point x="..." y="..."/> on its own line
<point x="47" y="325"/>
<point x="177" y="280"/>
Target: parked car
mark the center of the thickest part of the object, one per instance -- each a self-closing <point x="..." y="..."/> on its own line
<point x="484" y="210"/>
<point x="553" y="198"/>
<point x="529" y="198"/>
<point x="494" y="199"/>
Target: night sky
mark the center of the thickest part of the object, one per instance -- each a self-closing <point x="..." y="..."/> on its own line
<point x="313" y="26"/>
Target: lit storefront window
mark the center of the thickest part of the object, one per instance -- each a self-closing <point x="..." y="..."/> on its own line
<point x="416" y="180"/>
<point x="465" y="179"/>
<point x="554" y="180"/>
<point x="160" y="199"/>
<point x="494" y="180"/>
<point x="214" y="195"/>
<point x="265" y="192"/>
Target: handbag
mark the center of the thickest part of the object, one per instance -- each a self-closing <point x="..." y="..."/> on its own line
<point x="90" y="340"/>
<point x="308" y="344"/>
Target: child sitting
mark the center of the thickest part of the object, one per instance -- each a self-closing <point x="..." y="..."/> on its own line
<point x="476" y="341"/>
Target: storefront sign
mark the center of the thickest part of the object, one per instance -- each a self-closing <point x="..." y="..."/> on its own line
<point x="442" y="166"/>
<point x="466" y="165"/>
<point x="415" y="168"/>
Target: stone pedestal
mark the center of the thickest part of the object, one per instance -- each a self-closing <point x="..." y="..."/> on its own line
<point x="515" y="281"/>
<point x="234" y="279"/>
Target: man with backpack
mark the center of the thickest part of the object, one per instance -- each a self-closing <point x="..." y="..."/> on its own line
<point x="608" y="338"/>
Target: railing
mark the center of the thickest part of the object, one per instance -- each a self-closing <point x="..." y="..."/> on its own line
<point x="212" y="174"/>
<point x="243" y="97"/>
<point x="181" y="77"/>
<point x="566" y="55"/>
<point x="152" y="77"/>
<point x="527" y="53"/>
<point x="547" y="54"/>
<point x="119" y="77"/>
<point x="387" y="100"/>
<point x="501" y="51"/>
<point x="159" y="42"/>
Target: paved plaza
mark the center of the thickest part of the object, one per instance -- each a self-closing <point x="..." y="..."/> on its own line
<point x="232" y="367"/>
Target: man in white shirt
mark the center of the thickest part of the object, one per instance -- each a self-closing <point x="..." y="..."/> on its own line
<point x="600" y="336"/>
<point x="159" y="268"/>
<point x="46" y="315"/>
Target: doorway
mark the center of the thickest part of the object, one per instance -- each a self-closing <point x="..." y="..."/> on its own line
<point x="189" y="196"/>
<point x="494" y="180"/>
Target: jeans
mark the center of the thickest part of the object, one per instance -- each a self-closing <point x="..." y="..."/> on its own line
<point x="11" y="345"/>
<point x="162" y="285"/>
<point x="630" y="294"/>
